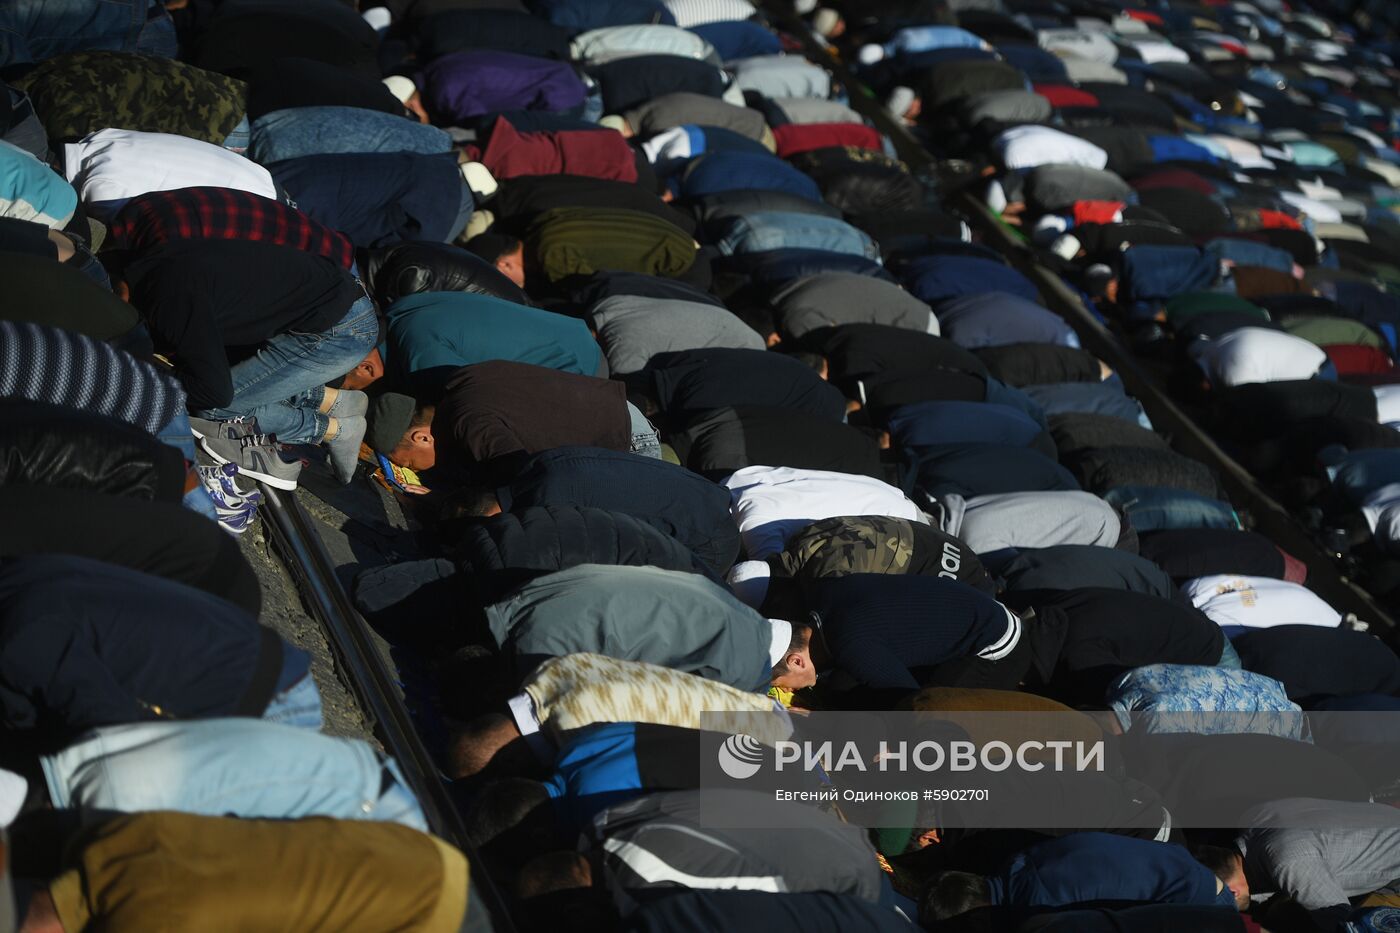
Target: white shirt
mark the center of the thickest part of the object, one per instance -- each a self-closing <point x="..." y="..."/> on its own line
<point x="1387" y="403"/>
<point x="771" y="504"/>
<point x="690" y="13"/>
<point x="1257" y="354"/>
<point x="116" y="165"/>
<point x="748" y="580"/>
<point x="1233" y="601"/>
<point x="1023" y="147"/>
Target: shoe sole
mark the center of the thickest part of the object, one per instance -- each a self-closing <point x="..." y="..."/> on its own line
<point x="275" y="481"/>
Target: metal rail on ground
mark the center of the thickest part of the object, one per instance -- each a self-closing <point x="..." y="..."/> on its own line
<point x="1270" y="518"/>
<point x="373" y="685"/>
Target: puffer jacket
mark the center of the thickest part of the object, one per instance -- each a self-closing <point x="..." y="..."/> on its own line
<point x="505" y="551"/>
<point x="46" y="445"/>
<point x="418" y="266"/>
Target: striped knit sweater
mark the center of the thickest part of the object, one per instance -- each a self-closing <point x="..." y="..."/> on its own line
<point x="46" y="364"/>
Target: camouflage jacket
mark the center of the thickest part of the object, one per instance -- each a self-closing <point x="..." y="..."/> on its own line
<point x="82" y="92"/>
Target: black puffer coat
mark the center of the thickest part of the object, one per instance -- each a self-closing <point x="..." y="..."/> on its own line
<point x="46" y="445"/>
<point x="411" y="268"/>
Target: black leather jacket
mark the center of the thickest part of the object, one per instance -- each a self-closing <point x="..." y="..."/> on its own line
<point x="46" y="445"/>
<point x="410" y="268"/>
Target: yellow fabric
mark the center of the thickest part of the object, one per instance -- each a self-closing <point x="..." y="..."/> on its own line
<point x="1381" y="900"/>
<point x="1007" y="716"/>
<point x="582" y="689"/>
<point x="178" y="873"/>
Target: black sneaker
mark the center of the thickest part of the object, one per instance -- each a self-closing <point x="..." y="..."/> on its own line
<point x="257" y="456"/>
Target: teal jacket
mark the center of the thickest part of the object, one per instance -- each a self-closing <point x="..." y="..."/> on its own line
<point x="431" y="335"/>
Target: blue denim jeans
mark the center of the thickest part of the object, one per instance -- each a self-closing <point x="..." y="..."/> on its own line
<point x="762" y="231"/>
<point x="1156" y="508"/>
<point x="238" y="766"/>
<point x="646" y="440"/>
<point x="238" y="137"/>
<point x="299" y="706"/>
<point x="177" y="434"/>
<point x="1229" y="657"/>
<point x="283" y="383"/>
<point x="35" y="30"/>
<point x="304" y="131"/>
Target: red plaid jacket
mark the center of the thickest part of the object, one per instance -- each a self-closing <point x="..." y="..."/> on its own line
<point x="223" y="214"/>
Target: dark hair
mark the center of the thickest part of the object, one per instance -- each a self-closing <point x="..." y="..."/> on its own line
<point x="472" y="748"/>
<point x="951" y="893"/>
<point x="468" y="502"/>
<point x="801" y="638"/>
<point x="759" y="318"/>
<point x="492" y="246"/>
<point x="806" y="357"/>
<point x="553" y="872"/>
<point x="1219" y="859"/>
<point x="509" y="822"/>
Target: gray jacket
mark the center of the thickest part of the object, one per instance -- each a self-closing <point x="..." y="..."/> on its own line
<point x="633" y="329"/>
<point x="732" y="839"/>
<point x="837" y="298"/>
<point x="1322" y="852"/>
<point x="678" y="620"/>
<point x="1026" y="520"/>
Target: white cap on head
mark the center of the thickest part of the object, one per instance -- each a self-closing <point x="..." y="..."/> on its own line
<point x="613" y="121"/>
<point x="870" y="54"/>
<point x="782" y="637"/>
<point x="803" y="7"/>
<point x="748" y="580"/>
<point x="480" y="180"/>
<point x="480" y="222"/>
<point x="401" y="87"/>
<point x="826" y="20"/>
<point x="13" y="791"/>
<point x="900" y="100"/>
<point x="1066" y="246"/>
<point x="378" y="18"/>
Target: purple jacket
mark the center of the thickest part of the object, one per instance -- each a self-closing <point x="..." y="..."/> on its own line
<point x="467" y="84"/>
